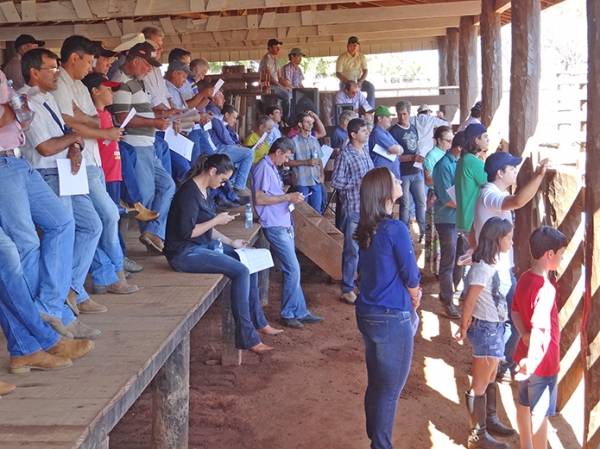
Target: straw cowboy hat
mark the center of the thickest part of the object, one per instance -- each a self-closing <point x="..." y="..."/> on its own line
<point x="129" y="40"/>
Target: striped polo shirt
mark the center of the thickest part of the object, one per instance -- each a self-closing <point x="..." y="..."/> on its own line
<point x="133" y="94"/>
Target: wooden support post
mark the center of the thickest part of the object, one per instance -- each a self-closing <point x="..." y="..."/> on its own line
<point x="491" y="62"/>
<point x="230" y="355"/>
<point x="171" y="400"/>
<point x="524" y="103"/>
<point x="467" y="55"/>
<point x="451" y="70"/>
<point x="263" y="276"/>
<point x="591" y="312"/>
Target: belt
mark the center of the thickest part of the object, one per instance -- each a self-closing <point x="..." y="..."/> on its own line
<point x="16" y="153"/>
<point x="183" y="133"/>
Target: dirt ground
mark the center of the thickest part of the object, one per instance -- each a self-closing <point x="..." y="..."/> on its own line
<point x="308" y="393"/>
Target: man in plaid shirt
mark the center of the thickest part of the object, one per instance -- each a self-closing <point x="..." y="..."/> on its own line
<point x="350" y="167"/>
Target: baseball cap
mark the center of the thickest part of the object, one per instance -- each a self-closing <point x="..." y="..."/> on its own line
<point x="146" y="52"/>
<point x="27" y="39"/>
<point x="353" y="40"/>
<point x="274" y="42"/>
<point x="459" y="139"/>
<point x="499" y="160"/>
<point x="129" y="40"/>
<point x="474" y="130"/>
<point x="362" y="110"/>
<point x="103" y="50"/>
<point x="94" y="79"/>
<point x="383" y="111"/>
<point x="424" y="107"/>
<point x="296" y="51"/>
<point x="178" y="65"/>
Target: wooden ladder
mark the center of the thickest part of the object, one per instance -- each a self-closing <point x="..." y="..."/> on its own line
<point x="318" y="239"/>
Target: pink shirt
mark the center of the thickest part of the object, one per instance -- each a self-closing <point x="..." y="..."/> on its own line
<point x="11" y="135"/>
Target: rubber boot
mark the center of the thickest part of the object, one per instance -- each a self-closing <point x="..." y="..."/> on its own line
<point x="478" y="436"/>
<point x="493" y="424"/>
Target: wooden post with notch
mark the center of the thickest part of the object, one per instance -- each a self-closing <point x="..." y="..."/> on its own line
<point x="491" y="62"/>
<point x="467" y="55"/>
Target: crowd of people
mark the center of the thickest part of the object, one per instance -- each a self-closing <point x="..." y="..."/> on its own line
<point x="79" y="103"/>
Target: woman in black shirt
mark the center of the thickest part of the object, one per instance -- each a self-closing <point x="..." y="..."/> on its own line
<point x="189" y="247"/>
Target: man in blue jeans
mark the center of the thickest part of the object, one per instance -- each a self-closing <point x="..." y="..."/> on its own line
<point x="274" y="209"/>
<point x="350" y="167"/>
<point x="411" y="168"/>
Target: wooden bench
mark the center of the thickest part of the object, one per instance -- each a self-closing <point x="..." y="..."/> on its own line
<point x="146" y="338"/>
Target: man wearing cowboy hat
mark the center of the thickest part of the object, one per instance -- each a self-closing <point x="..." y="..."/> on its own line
<point x="127" y="41"/>
<point x="291" y="73"/>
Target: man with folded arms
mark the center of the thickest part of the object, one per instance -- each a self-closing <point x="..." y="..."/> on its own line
<point x="382" y="137"/>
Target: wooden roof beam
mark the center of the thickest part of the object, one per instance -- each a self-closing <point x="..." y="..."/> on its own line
<point x="502" y="6"/>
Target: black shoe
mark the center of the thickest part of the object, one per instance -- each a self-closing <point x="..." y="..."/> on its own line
<point x="243" y="200"/>
<point x="292" y="322"/>
<point x="224" y="203"/>
<point x="450" y="312"/>
<point x="310" y="318"/>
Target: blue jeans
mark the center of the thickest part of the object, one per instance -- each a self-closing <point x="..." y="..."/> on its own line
<point x="449" y="271"/>
<point x="108" y="258"/>
<point x="26" y="201"/>
<point x="540" y="394"/>
<point x="245" y="302"/>
<point x="315" y="199"/>
<point x="413" y="184"/>
<point x="388" y="348"/>
<point x="130" y="190"/>
<point x="293" y="304"/>
<point x="284" y="96"/>
<point x="242" y="159"/>
<point x="367" y="87"/>
<point x="88" y="228"/>
<point x="21" y="323"/>
<point x="487" y="338"/>
<point x="163" y="153"/>
<point x="350" y="252"/>
<point x="179" y="165"/>
<point x="157" y="189"/>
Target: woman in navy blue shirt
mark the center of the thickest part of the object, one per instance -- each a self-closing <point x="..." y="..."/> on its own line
<point x="389" y="294"/>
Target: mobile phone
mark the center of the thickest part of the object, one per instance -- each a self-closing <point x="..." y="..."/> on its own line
<point x="234" y="215"/>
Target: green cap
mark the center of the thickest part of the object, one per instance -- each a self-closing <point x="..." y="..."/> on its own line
<point x="383" y="111"/>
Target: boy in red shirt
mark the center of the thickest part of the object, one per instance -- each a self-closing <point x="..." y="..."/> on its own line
<point x="537" y="354"/>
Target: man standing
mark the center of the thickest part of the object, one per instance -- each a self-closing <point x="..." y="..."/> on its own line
<point x="156" y="185"/>
<point x="340" y="134"/>
<point x="381" y="137"/>
<point x="426" y="123"/>
<point x="349" y="94"/>
<point x="306" y="163"/>
<point x="413" y="183"/>
<point x="352" y="66"/>
<point x="291" y="73"/>
<point x="350" y="167"/>
<point x="12" y="69"/>
<point x="444" y="217"/>
<point x="269" y="67"/>
<point x="274" y="209"/>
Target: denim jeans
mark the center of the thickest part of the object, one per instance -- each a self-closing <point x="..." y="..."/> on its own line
<point x="413" y="184"/>
<point x="350" y="252"/>
<point x="26" y="201"/>
<point x="293" y="304"/>
<point x="389" y="346"/>
<point x="157" y="189"/>
<point x="367" y="87"/>
<point x="242" y="159"/>
<point x="449" y="271"/>
<point x="284" y="96"/>
<point x="21" y="323"/>
<point x="88" y="228"/>
<point x="163" y="153"/>
<point x="245" y="302"/>
<point x="108" y="258"/>
<point x="315" y="198"/>
<point x="130" y="190"/>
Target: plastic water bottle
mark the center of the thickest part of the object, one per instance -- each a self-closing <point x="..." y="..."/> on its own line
<point x="248" y="215"/>
<point x="18" y="103"/>
<point x="315" y="154"/>
<point x="219" y="245"/>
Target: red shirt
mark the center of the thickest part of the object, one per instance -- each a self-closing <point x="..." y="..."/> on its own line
<point x="535" y="301"/>
<point x="109" y="154"/>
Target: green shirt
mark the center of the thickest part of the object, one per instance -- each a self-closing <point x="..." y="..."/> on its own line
<point x="470" y="177"/>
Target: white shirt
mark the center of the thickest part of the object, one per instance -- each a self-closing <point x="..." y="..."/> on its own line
<point x="491" y="302"/>
<point x="70" y="90"/>
<point x="425" y="126"/>
<point x="43" y="128"/>
<point x="468" y="122"/>
<point x="155" y="84"/>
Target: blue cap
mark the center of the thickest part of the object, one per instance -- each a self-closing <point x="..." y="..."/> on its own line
<point x="499" y="160"/>
<point x="474" y="130"/>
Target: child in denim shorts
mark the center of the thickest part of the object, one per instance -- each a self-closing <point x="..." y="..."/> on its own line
<point x="537" y="353"/>
<point x="483" y="316"/>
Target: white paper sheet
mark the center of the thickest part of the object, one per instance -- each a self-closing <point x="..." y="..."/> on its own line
<point x="256" y="259"/>
<point x="452" y="192"/>
<point x="218" y="86"/>
<point x="208" y="126"/>
<point x="261" y="140"/>
<point x="424" y="154"/>
<point x="179" y="144"/>
<point x="186" y="114"/>
<point x="131" y="114"/>
<point x="383" y="152"/>
<point x="70" y="184"/>
<point x="327" y="152"/>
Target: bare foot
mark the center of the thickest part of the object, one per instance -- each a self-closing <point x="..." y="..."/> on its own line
<point x="268" y="330"/>
<point x="261" y="348"/>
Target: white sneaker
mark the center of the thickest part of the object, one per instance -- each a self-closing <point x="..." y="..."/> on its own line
<point x="348" y="297"/>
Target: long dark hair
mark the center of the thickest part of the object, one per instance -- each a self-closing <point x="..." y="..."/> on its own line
<point x="205" y="162"/>
<point x="472" y="146"/>
<point x="488" y="246"/>
<point x="376" y="189"/>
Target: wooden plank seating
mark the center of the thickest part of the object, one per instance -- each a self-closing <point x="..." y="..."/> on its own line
<point x="145" y="337"/>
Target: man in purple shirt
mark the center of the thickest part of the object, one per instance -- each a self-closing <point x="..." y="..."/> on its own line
<point x="274" y="208"/>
